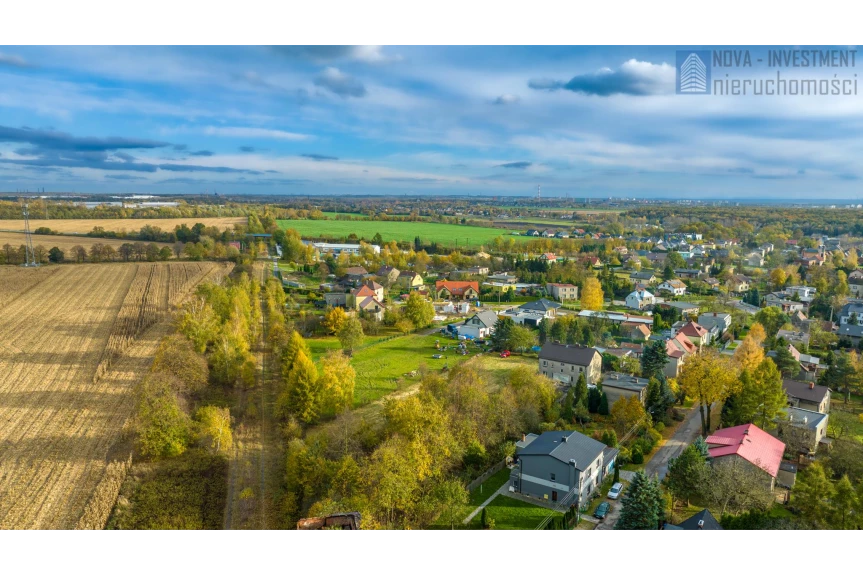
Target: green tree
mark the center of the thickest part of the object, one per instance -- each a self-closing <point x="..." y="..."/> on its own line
<point x="594" y="398"/>
<point x="163" y="428"/>
<point x="567" y="412"/>
<point x="544" y="329"/>
<point x="654" y="359"/>
<point x="686" y="474"/>
<point x="502" y="329"/>
<point x="337" y="382"/>
<point x="351" y="334"/>
<point x="581" y="391"/>
<point x="213" y="426"/>
<point x="762" y="395"/>
<point x="668" y="272"/>
<point x="419" y="310"/>
<point x="643" y="506"/>
<point x="521" y="338"/>
<point x="812" y="494"/>
<point x="451" y="496"/>
<point x="841" y="375"/>
<point x="302" y="391"/>
<point x="772" y="319"/>
<point x="788" y="366"/>
<point x="56" y="255"/>
<point x="842" y="504"/>
<point x="701" y="445"/>
<point x="603" y="404"/>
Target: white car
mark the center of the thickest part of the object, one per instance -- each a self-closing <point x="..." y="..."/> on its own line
<point x="615" y="490"/>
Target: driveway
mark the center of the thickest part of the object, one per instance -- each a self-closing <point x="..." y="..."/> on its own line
<point x="685" y="434"/>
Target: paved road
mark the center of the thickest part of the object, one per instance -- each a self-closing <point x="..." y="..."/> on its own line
<point x="685" y="434"/>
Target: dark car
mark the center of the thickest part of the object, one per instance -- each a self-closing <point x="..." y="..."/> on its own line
<point x="602" y="510"/>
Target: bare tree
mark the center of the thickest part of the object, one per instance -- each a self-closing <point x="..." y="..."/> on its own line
<point x="735" y="485"/>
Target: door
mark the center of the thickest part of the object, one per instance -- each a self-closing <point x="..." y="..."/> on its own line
<point x="554" y="495"/>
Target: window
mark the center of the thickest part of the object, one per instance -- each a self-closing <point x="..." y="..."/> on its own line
<point x="544" y="362"/>
<point x="552" y="477"/>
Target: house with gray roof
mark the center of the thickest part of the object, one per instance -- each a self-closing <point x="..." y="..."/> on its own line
<point x="565" y="362"/>
<point x="561" y="466"/>
<point x="479" y="325"/>
<point x="807" y="395"/>
<point x="620" y="385"/>
<point x="802" y="429"/>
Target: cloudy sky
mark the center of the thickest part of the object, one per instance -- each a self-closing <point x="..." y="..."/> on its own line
<point x="409" y="120"/>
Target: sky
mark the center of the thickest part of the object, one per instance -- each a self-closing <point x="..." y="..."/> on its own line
<point x="478" y="121"/>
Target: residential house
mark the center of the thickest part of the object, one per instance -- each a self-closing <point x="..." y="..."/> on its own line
<point x="504" y="277"/>
<point x="855" y="285"/>
<point x="754" y="259"/>
<point x="531" y="313"/>
<point x="721" y="320"/>
<point x="560" y="466"/>
<point x="635" y="331"/>
<point x="410" y="280"/>
<point x="672" y="286"/>
<point x="356" y="274"/>
<point x="456" y="290"/>
<point x="548" y="257"/>
<point x="620" y="385"/>
<point x="793" y="337"/>
<point x="677" y="348"/>
<point x="388" y="275"/>
<point x="479" y="325"/>
<point x="371" y="306"/>
<point x="532" y="233"/>
<point x="686" y="309"/>
<point x="642" y="277"/>
<point x="777" y="300"/>
<point x="615" y="317"/>
<point x="377" y="288"/>
<point x="850" y="333"/>
<point x="478" y="271"/>
<point x="323" y="248"/>
<point x="640" y="299"/>
<point x="562" y="292"/>
<point x="562" y="235"/>
<point x="807" y="395"/>
<point x="701" y="521"/>
<point x="803" y="293"/>
<point x="636" y="349"/>
<point x="802" y="428"/>
<point x="548" y="233"/>
<point x="697" y="334"/>
<point x="564" y="362"/>
<point x="851" y="313"/>
<point x="712" y="283"/>
<point x="688" y="273"/>
<point x="738" y="284"/>
<point x="336" y="299"/>
<point x="750" y="444"/>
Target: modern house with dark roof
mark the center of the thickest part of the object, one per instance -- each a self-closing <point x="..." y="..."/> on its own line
<point x="560" y="466"/>
<point x="701" y="521"/>
<point x="564" y="363"/>
<point x="807" y="395"/>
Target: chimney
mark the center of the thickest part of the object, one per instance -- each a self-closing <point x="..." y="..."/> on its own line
<point x="701" y="523"/>
<point x="811" y="385"/>
<point x="805" y="419"/>
<point x="564" y="438"/>
<point x="523" y="437"/>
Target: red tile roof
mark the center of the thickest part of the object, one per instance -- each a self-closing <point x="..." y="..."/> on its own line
<point x="692" y="329"/>
<point x="363" y="291"/>
<point x="456" y="288"/>
<point x="749" y="442"/>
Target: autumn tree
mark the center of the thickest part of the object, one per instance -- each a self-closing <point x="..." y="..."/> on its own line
<point x="735" y="485"/>
<point x="707" y="377"/>
<point x="627" y="412"/>
<point x="337" y="382"/>
<point x="419" y="310"/>
<point x="749" y="354"/>
<point x="163" y="428"/>
<point x="177" y="356"/>
<point x="213" y="427"/>
<point x="842" y="505"/>
<point x="334" y="320"/>
<point x="351" y="334"/>
<point x="591" y="294"/>
<point x="301" y="393"/>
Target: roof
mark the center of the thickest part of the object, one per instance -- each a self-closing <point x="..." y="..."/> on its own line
<point x="562" y="285"/>
<point x="566" y="446"/>
<point x="374" y="285"/>
<point x="540" y="305"/>
<point x="575" y="354"/>
<point x="804" y="417"/>
<point x="851" y="330"/>
<point x="369" y="301"/>
<point x="356" y="271"/>
<point x="623" y="381"/>
<point x="802" y="390"/>
<point x="707" y="520"/>
<point x="641" y="293"/>
<point x="749" y="442"/>
<point x="692" y="329"/>
<point x="641" y="275"/>
<point x="487" y="317"/>
<point x="363" y="291"/>
<point x="456" y="288"/>
<point x="639" y="327"/>
<point x="674" y="283"/>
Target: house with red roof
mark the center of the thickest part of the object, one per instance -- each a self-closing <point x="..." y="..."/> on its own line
<point x="750" y="444"/>
<point x="456" y="290"/>
<point x="695" y="333"/>
<point x="678" y="348"/>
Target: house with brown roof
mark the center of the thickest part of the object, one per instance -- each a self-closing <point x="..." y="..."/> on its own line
<point x="695" y="333"/>
<point x="456" y="290"/>
<point x="634" y="331"/>
<point x="371" y="306"/>
<point x="807" y="395"/>
<point x="388" y="275"/>
<point x="672" y="286"/>
<point x="750" y="444"/>
<point x="678" y="348"/>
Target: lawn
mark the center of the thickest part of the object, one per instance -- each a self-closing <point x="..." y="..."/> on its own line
<point x="445" y="234"/>
<point x="848" y="421"/>
<point x="382" y="362"/>
<point x="509" y="513"/>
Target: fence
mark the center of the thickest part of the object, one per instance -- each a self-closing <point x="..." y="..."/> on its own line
<point x="486" y="474"/>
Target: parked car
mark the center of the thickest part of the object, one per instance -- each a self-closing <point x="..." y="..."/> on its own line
<point x="602" y="510"/>
<point x="504" y="353"/>
<point x="615" y="490"/>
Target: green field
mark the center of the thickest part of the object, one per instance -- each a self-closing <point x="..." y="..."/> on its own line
<point x="509" y="513"/>
<point x="381" y="366"/>
<point x="428" y="232"/>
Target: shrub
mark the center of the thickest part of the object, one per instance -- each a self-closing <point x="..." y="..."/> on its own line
<point x="637" y="455"/>
<point x="483" y="519"/>
<point x="660" y="427"/>
<point x="624" y="457"/>
<point x="678" y="415"/>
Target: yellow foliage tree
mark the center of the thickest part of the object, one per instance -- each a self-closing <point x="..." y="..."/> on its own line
<point x="708" y="377"/>
<point x="335" y="319"/>
<point x="627" y="412"/>
<point x="591" y="294"/>
<point x="748" y="354"/>
<point x="757" y="333"/>
<point x="777" y="278"/>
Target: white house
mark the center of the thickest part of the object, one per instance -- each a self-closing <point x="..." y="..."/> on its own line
<point x="674" y="286"/>
<point x="640" y="299"/>
<point x="479" y="325"/>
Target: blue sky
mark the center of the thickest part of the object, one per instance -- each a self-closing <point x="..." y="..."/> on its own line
<point x="589" y="121"/>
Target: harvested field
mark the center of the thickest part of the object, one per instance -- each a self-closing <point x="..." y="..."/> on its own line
<point x="65" y="243"/>
<point x="15" y="281"/>
<point x="72" y="346"/>
<point x="118" y="225"/>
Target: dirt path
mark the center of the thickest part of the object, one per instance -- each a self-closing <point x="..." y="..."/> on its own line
<point x="256" y="464"/>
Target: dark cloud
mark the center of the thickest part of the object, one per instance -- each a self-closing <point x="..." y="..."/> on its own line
<point x="123" y="177"/>
<point x="319" y="157"/>
<point x="215" y="169"/>
<point x="412" y="180"/>
<point x="47" y="139"/>
<point x="184" y="181"/>
<point x="506" y="99"/>
<point x="247" y="149"/>
<point x="202" y="153"/>
<point x="180" y="147"/>
<point x="339" y="83"/>
<point x="633" y="78"/>
<point x="14" y="61"/>
<point x="515" y="165"/>
<point x="125" y="157"/>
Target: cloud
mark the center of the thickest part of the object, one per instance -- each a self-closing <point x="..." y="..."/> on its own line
<point x="506" y="99"/>
<point x="180" y="147"/>
<point x="261" y="133"/>
<point x="14" y="61"/>
<point x="202" y="153"/>
<point x="340" y="83"/>
<point x="515" y="165"/>
<point x="124" y="177"/>
<point x="407" y="180"/>
<point x="321" y="54"/>
<point x="634" y="78"/>
<point x="193" y="168"/>
<point x="49" y="139"/>
<point x="247" y="149"/>
<point x="319" y="157"/>
<point x="125" y="157"/>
